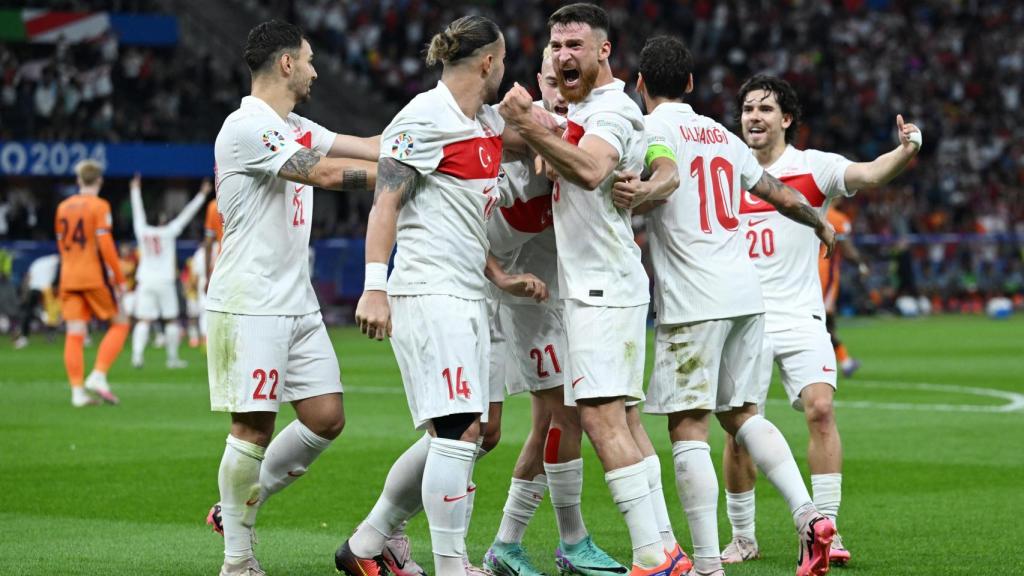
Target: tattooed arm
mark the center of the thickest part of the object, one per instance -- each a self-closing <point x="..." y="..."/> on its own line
<point x="313" y="168"/>
<point x="394" y="186"/>
<point x="794" y="206"/>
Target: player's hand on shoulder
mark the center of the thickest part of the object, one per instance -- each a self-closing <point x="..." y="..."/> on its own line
<point x="627" y="191"/>
<point x="910" y="135"/>
<point x="827" y="234"/>
<point x="373" y="314"/>
<point x="524" y="286"/>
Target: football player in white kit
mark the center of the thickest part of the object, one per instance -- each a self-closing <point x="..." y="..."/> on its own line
<point x="601" y="279"/>
<point x="786" y="258"/>
<point x="439" y="164"/>
<point x="710" y="315"/>
<point x="156" y="278"/>
<point x="527" y="351"/>
<point x="267" y="341"/>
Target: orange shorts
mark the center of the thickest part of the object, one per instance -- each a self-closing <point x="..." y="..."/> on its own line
<point x="85" y="304"/>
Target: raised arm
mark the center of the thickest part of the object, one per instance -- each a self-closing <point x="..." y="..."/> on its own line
<point x="138" y="209"/>
<point x="794" y="206"/>
<point x="191" y="209"/>
<point x="314" y="169"/>
<point x="881" y="170"/>
<point x="396" y="182"/>
<point x="586" y="165"/>
<point x="345" y="146"/>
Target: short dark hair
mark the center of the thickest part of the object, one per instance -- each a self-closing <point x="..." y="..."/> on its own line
<point x="666" y="65"/>
<point x="581" y="13"/>
<point x="784" y="93"/>
<point x="461" y="39"/>
<point x="267" y="40"/>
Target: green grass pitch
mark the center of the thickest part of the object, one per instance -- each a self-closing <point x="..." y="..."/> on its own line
<point x="933" y="479"/>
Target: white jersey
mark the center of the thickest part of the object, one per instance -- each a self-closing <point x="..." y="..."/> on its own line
<point x="786" y="253"/>
<point x="598" y="259"/>
<point x="158" y="258"/>
<point x="442" y="236"/>
<point x="521" y="234"/>
<point x="263" y="265"/>
<point x="700" y="261"/>
<point x="42" y="272"/>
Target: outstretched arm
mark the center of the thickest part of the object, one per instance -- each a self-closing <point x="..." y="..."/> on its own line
<point x="191" y="209"/>
<point x="397" y="181"/>
<point x="138" y="209"/>
<point x="794" y="206"/>
<point x="313" y="168"/>
<point x="881" y="170"/>
<point x="345" y="146"/>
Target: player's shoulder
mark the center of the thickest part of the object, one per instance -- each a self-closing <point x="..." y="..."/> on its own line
<point x="820" y="158"/>
<point x="610" y="99"/>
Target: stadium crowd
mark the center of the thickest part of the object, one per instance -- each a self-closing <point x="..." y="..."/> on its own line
<point x="955" y="69"/>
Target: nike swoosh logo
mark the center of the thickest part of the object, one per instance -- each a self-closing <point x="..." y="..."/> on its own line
<point x="756" y="222"/>
<point x="577" y="381"/>
<point x="252" y="501"/>
<point x="294" y="474"/>
<point x="488" y="189"/>
<point x="456" y="498"/>
<point x="470" y="489"/>
<point x="299" y="188"/>
<point x="827" y="369"/>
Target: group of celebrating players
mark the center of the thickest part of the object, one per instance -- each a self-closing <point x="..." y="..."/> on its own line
<point x="517" y="271"/>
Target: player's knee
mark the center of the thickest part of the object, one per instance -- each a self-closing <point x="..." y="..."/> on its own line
<point x="820" y="412"/>
<point x="463" y="426"/>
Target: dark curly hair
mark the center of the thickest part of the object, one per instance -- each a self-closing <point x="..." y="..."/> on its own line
<point x="666" y="65"/>
<point x="784" y="93"/>
<point x="267" y="40"/>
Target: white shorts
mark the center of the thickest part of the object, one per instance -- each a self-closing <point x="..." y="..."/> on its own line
<point x="257" y="362"/>
<point x="127" y="304"/>
<point x="805" y="356"/>
<point x="156" y="301"/>
<point x="500" y="355"/>
<point x="442" y="345"/>
<point x="605" y="356"/>
<point x="536" y="348"/>
<point x="706" y="365"/>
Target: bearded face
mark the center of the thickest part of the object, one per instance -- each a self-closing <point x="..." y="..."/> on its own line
<point x="575" y="51"/>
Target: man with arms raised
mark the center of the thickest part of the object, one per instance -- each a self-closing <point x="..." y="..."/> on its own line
<point x="267" y="341"/>
<point x="708" y="302"/>
<point x="157" y="274"/>
<point x="786" y="256"/>
<point x="601" y="278"/>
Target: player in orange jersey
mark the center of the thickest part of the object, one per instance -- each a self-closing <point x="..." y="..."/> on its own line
<point x="87" y="251"/>
<point x="828" y="271"/>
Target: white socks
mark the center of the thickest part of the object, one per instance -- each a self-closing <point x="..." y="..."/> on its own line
<point x="698" y="491"/>
<point x="239" y="482"/>
<point x="399" y="500"/>
<point x="828" y="492"/>
<point x="632" y="494"/>
<point x="524" y="497"/>
<point x="288" y="456"/>
<point x="173" y="333"/>
<point x="445" y="482"/>
<point x="140" y="336"/>
<point x="768" y="449"/>
<point x="565" y="481"/>
<point x="668" y="538"/>
<point x="740" y="507"/>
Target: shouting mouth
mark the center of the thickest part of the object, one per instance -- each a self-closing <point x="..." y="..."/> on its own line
<point x="571" y="77"/>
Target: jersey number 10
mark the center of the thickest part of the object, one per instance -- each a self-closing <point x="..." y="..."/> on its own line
<point x="721" y="185"/>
